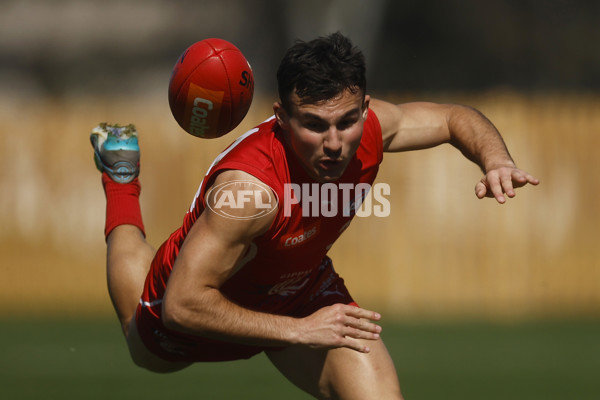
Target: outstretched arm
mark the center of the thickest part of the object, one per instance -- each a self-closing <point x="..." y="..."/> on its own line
<point x="414" y="126"/>
<point x="211" y="253"/>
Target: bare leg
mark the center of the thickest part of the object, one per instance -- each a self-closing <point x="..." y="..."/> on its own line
<point x="340" y="373"/>
<point x="127" y="263"/>
<point x="129" y="256"/>
<point x="128" y="260"/>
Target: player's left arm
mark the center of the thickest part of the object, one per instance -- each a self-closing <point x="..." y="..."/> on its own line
<point x="414" y="126"/>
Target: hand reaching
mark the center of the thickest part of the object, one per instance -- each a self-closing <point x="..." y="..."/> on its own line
<point x="503" y="180"/>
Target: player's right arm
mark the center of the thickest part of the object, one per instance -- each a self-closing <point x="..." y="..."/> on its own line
<point x="213" y="249"/>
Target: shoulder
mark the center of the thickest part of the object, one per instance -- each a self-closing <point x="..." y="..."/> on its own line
<point x="257" y="152"/>
<point x="412" y="126"/>
<point x="258" y="140"/>
<point x="257" y="149"/>
<point x="371" y="145"/>
<point x="241" y="203"/>
<point x="388" y="115"/>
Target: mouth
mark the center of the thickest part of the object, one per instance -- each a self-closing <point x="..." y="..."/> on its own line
<point x="329" y="163"/>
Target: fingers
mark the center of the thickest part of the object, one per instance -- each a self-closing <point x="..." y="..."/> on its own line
<point x="496" y="183"/>
<point x="341" y="325"/>
<point x="521" y="178"/>
<point x="358" y="321"/>
<point x="481" y="189"/>
<point x="357" y="325"/>
<point x="497" y="187"/>
<point x="360" y="312"/>
<point x="490" y="187"/>
<point x="506" y="181"/>
<point x="361" y="329"/>
<point x="355" y="344"/>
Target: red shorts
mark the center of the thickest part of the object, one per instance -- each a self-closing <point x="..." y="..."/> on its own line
<point x="175" y="346"/>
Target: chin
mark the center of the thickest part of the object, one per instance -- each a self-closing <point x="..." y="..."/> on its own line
<point x="325" y="176"/>
<point x="328" y="178"/>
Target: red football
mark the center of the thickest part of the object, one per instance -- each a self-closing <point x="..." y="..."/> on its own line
<point x="211" y="88"/>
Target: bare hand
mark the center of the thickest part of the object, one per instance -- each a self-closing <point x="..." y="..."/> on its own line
<point x="338" y="326"/>
<point x="503" y="180"/>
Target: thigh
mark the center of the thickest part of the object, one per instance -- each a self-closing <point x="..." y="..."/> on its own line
<point x="340" y="373"/>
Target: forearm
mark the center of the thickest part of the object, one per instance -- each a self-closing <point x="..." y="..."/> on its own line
<point x="477" y="138"/>
<point x="210" y="314"/>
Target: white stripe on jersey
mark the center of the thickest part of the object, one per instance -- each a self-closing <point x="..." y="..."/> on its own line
<point x="220" y="157"/>
<point x="150" y="303"/>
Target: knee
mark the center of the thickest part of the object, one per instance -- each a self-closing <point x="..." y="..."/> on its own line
<point x="152" y="366"/>
<point x="327" y="392"/>
<point x="144" y="358"/>
<point x="150" y="362"/>
<point x="380" y="385"/>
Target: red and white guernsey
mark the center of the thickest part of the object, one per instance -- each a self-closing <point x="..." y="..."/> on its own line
<point x="286" y="268"/>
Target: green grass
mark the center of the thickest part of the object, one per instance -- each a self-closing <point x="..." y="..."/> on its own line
<point x="81" y="359"/>
<point x="551" y="360"/>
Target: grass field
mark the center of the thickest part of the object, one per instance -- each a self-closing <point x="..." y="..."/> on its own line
<point x="84" y="359"/>
<point x="441" y="254"/>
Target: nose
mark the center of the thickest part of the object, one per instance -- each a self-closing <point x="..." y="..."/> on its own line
<point x="332" y="144"/>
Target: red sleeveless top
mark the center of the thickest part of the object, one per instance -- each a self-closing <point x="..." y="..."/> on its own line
<point x="280" y="270"/>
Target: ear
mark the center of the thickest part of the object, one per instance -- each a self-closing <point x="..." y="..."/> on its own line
<point x="365" y="109"/>
<point x="282" y="117"/>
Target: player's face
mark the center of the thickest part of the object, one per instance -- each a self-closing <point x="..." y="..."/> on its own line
<point x="325" y="135"/>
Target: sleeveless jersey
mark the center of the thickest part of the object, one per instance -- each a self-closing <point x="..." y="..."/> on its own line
<point x="280" y="271"/>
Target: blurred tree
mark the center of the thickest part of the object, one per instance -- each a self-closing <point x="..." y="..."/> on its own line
<point x="69" y="46"/>
<point x="475" y="45"/>
<point x="360" y="20"/>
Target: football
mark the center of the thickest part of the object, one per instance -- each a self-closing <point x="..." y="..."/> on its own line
<point x="211" y="88"/>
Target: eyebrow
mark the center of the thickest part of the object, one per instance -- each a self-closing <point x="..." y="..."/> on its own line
<point x="311" y="116"/>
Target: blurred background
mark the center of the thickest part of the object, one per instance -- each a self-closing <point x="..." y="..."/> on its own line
<point x="442" y="257"/>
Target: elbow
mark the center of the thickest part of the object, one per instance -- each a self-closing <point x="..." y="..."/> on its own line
<point x="188" y="314"/>
<point x="173" y="315"/>
<point x="182" y="313"/>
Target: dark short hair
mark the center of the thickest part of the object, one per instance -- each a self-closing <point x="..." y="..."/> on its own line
<point x="321" y="69"/>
